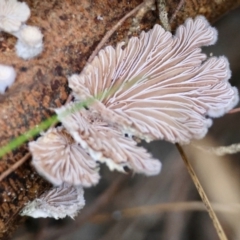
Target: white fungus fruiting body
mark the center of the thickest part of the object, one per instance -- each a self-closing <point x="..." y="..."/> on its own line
<point x="31" y="36"/>
<point x="159" y="86"/>
<point x="12" y="15"/>
<point x="59" y="202"/>
<point x="58" y="158"/>
<point x="162" y="84"/>
<point x="106" y="144"/>
<point x="7" y="77"/>
<point x="30" y="42"/>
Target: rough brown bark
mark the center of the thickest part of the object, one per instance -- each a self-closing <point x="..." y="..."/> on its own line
<point x="71" y="32"/>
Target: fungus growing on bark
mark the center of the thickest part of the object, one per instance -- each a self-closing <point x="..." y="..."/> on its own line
<point x="59" y="202"/>
<point x="30" y="42"/>
<point x="159" y="86"/>
<point x="7" y="77"/>
<point x="12" y="15"/>
<point x="105" y="143"/>
<point x="163" y="85"/>
<point x="57" y="157"/>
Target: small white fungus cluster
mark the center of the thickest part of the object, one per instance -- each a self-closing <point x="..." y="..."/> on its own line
<point x="13" y="15"/>
<point x="58" y="202"/>
<point x="29" y="42"/>
<point x="7" y="77"/>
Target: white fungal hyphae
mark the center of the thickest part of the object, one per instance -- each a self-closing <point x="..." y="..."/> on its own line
<point x="162" y="85"/>
<point x="59" y="202"/>
<point x="7" y="77"/>
<point x="58" y="158"/>
<point x="30" y="42"/>
<point x="106" y="144"/>
<point x="12" y="15"/>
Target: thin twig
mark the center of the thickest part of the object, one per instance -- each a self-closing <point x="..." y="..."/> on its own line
<point x="179" y="191"/>
<point x="163" y="14"/>
<point x="235" y="110"/>
<point x="220" y="151"/>
<point x="165" y="207"/>
<point x="114" y="28"/>
<point x="180" y="4"/>
<point x="15" y="166"/>
<point x="203" y="195"/>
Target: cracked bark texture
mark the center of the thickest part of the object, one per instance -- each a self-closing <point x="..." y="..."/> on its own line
<point x="71" y="32"/>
